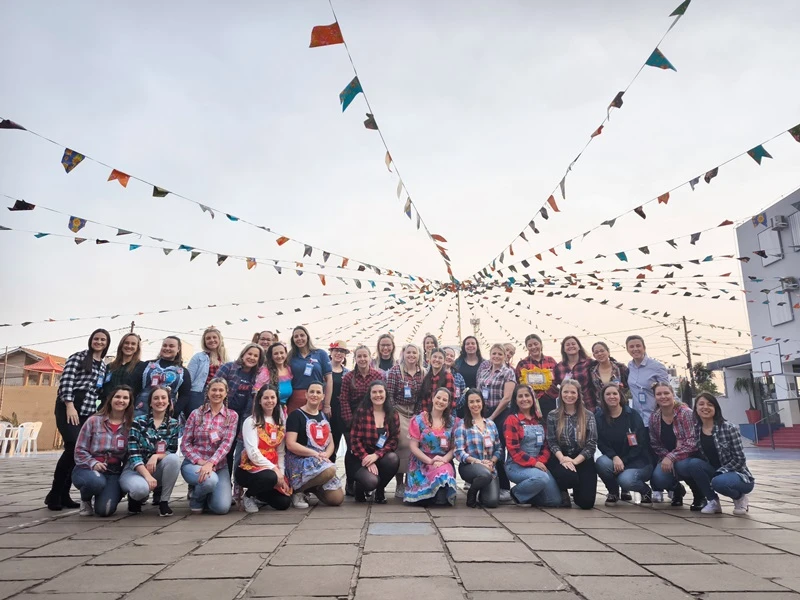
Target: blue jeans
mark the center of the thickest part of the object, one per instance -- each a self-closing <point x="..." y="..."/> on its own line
<point x="534" y="486"/>
<point x="214" y="492"/>
<point x="662" y="480"/>
<point x="166" y="475"/>
<point x="632" y="479"/>
<point x="103" y="487"/>
<point x="710" y="484"/>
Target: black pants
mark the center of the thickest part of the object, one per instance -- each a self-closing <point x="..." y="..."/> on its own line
<point x="62" y="476"/>
<point x="546" y="404"/>
<point x="387" y="465"/>
<point x="582" y="481"/>
<point x="481" y="479"/>
<point x="261" y="486"/>
<point x="500" y="421"/>
<point x="338" y="428"/>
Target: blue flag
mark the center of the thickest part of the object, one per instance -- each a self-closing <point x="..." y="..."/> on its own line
<point x="349" y="93"/>
<point x="657" y="59"/>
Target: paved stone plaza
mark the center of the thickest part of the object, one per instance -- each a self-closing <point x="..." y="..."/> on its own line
<point x="394" y="551"/>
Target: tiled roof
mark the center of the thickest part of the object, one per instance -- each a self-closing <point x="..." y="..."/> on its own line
<point x="38" y="354"/>
<point x="46" y="365"/>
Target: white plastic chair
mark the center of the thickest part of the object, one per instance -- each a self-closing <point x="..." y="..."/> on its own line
<point x="28" y="437"/>
<point x="8" y="438"/>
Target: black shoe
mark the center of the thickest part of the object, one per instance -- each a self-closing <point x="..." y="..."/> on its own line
<point x="157" y="496"/>
<point x="380" y="496"/>
<point x="349" y="489"/>
<point x="134" y="507"/>
<point x="68" y="502"/>
<point x="441" y="498"/>
<point x="472" y="497"/>
<point x="626" y="497"/>
<point x="164" y="510"/>
<point x="677" y="495"/>
<point x="359" y="493"/>
<point x="566" y="502"/>
<point x="647" y="497"/>
<point x="612" y="499"/>
<point x="698" y="504"/>
<point x="52" y="501"/>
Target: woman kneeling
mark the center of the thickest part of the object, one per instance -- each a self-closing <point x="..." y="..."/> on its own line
<point x="309" y="446"/>
<point x="478" y="450"/>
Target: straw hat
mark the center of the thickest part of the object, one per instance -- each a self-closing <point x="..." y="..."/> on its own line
<point x="339" y="345"/>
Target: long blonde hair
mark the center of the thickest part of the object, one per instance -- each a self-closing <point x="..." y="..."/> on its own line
<point x="218" y="356"/>
<point x="402" y="360"/>
<point x="580" y="411"/>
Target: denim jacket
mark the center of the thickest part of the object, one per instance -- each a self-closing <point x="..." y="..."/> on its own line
<point x="198" y="370"/>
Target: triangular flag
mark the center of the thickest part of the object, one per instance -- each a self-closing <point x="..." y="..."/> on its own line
<point x="370" y="123"/>
<point x="644" y="250"/>
<point x="407" y="207"/>
<point x="326" y="35"/>
<point x="134" y="246"/>
<point x="640" y="211"/>
<point x="79" y="241"/>
<point x="40" y="235"/>
<point x="21" y="205"/>
<point x="119" y="176"/>
<point x="321" y="278"/>
<point x="76" y="224"/>
<point x="193" y="256"/>
<point x="325" y="255"/>
<point x="278" y="269"/>
<point x="543" y="212"/>
<point x="523" y="236"/>
<point x="307" y="250"/>
<point x="568" y="244"/>
<point x="795" y="132"/>
<point x="597" y="131"/>
<point x="167" y="251"/>
<point x="711" y="174"/>
<point x="552" y="202"/>
<point x="678" y="12"/>
<point x="622" y="256"/>
<point x="388" y="161"/>
<point x="71" y="159"/>
<point x="204" y="208"/>
<point x="725" y="223"/>
<point x="99" y="242"/>
<point x="615" y="103"/>
<point x="694" y="182"/>
<point x="345" y="260"/>
<point x="282" y="240"/>
<point x="251" y="262"/>
<point x="563" y="185"/>
<point x="123" y="232"/>
<point x="663" y="198"/>
<point x="185" y="247"/>
<point x="758" y="153"/>
<point x="658" y="60"/>
<point x="6" y="124"/>
<point x="511" y="250"/>
<point x="231" y="217"/>
<point x="539" y="256"/>
<point x="553" y="250"/>
<point x="610" y="222"/>
<point x="694" y="238"/>
<point x="159" y="192"/>
<point x="350" y="92"/>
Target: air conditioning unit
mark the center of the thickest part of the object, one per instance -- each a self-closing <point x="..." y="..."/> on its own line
<point x="789" y="284"/>
<point x="779" y="222"/>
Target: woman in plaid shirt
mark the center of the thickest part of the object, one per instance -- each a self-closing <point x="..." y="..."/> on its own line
<point x="373" y="440"/>
<point x="478" y="451"/>
<point x="436" y="377"/>
<point x="403" y="385"/>
<point x="100" y="454"/>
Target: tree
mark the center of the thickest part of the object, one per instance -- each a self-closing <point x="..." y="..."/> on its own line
<point x="704" y="379"/>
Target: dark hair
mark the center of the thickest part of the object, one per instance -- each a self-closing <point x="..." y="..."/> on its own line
<point x="88" y="359"/>
<point x="152" y="391"/>
<point x="117" y="362"/>
<point x="272" y="368"/>
<point x="388" y="407"/>
<point x="623" y="401"/>
<point x="604" y="345"/>
<point x="532" y="336"/>
<point x="258" y="412"/>
<point x="581" y="351"/>
<point x="463" y="356"/>
<point x="514" y="407"/>
<point x="127" y="416"/>
<point x="467" y="412"/>
<point x="447" y="412"/>
<point x="179" y="355"/>
<point x="718" y="418"/>
<point x="432" y="382"/>
<point x="630" y="338"/>
<point x="319" y="383"/>
<point x="295" y="351"/>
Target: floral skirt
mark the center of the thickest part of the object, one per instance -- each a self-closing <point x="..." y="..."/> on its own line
<point x="425" y="480"/>
<point x="302" y="469"/>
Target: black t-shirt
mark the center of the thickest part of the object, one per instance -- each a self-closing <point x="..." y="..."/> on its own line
<point x="710" y="449"/>
<point x="668" y="439"/>
<point x="337" y="388"/>
<point x="469" y="373"/>
<point x="297" y="423"/>
<point x="385" y="364"/>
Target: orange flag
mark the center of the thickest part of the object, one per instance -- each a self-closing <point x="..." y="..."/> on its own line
<point x="345" y="260"/>
<point x="552" y="202"/>
<point x="251" y="262"/>
<point x="282" y="240"/>
<point x="597" y="131"/>
<point x="326" y="35"/>
<point x="119" y="176"/>
<point x="663" y="198"/>
<point x="322" y="278"/>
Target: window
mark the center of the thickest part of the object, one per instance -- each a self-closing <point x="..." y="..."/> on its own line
<point x="780" y="307"/>
<point x="769" y="241"/>
<point x="794" y="227"/>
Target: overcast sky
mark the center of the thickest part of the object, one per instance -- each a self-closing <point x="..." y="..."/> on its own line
<point x="482" y="104"/>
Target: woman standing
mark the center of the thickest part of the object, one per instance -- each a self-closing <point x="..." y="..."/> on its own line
<point x="308" y="365"/>
<point x="207" y="440"/>
<point x="384" y="354"/>
<point x="623" y="440"/>
<point x="574" y="365"/>
<point x="469" y="361"/>
<point x="722" y="466"/>
<point x="429" y="344"/>
<point x="572" y="439"/>
<point x="605" y="370"/>
<point x="528" y="454"/>
<point x="458" y="378"/>
<point x="436" y="377"/>
<point x="431" y="477"/>
<point x="76" y="401"/>
<point x="510" y="350"/>
<point x="403" y="385"/>
<point x="276" y="372"/>
<point x="126" y="368"/>
<point x="373" y="439"/>
<point x="539" y="373"/>
<point x="673" y="440"/>
<point x="339" y="352"/>
<point x="166" y="370"/>
<point x="203" y="368"/>
<point x="100" y="455"/>
<point x="265" y="339"/>
<point x="496" y="383"/>
<point x="262" y="469"/>
<point x="152" y="455"/>
<point x="309" y="448"/>
<point x="478" y="451"/>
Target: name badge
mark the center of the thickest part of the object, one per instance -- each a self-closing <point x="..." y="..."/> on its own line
<point x="485" y="393"/>
<point x="381" y="441"/>
<point x="156" y="380"/>
<point x="642" y="398"/>
<point x="161" y="447"/>
<point x="407" y="391"/>
<point x="632" y="441"/>
<point x="121" y="443"/>
<point x="309" y="369"/>
<point x="487" y="441"/>
<point x="214" y="437"/>
<point x="319" y="434"/>
<point x="444" y="443"/>
<point x="273" y="435"/>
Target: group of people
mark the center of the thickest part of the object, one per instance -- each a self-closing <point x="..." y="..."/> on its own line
<point x="265" y="429"/>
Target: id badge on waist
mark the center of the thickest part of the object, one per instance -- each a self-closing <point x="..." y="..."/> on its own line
<point x="632" y="441"/>
<point x="642" y="398"/>
<point x="121" y="443"/>
<point x="214" y="437"/>
<point x="485" y="393"/>
<point x="487" y="441"/>
<point x="309" y="369"/>
<point x="161" y="447"/>
<point x="444" y="443"/>
<point x="381" y="441"/>
<point x="407" y="392"/>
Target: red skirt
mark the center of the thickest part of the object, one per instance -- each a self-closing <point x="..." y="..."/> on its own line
<point x="296" y="400"/>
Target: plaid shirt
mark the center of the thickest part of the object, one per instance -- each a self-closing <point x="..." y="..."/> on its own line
<point x="396" y="382"/>
<point x="425" y="404"/>
<point x="354" y="388"/>
<point x="685" y="434"/>
<point x="364" y="435"/>
<point x="619" y="375"/>
<point x="143" y="439"/>
<point x="514" y="433"/>
<point x="567" y="443"/>
<point x="75" y="379"/>
<point x="471" y="442"/>
<point x="461" y="385"/>
<point x="97" y="443"/>
<point x="209" y="437"/>
<point x="580" y="373"/>
<point x="728" y="442"/>
<point x="546" y="362"/>
<point x="494" y="381"/>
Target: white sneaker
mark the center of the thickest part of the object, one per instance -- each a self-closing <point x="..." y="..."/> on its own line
<point x="711" y="508"/>
<point x="400" y="491"/>
<point x="249" y="504"/>
<point x="87" y="510"/>
<point x="505" y="497"/>
<point x="310" y="499"/>
<point x="658" y="497"/>
<point x="298" y="501"/>
<point x="742" y="505"/>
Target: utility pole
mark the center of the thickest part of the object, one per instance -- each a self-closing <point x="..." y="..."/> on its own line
<point x="133" y="324"/>
<point x="688" y="355"/>
<point x="458" y="308"/>
<point x="3" y="382"/>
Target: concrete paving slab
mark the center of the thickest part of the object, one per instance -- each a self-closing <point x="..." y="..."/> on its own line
<point x="563" y="542"/>
<point x="54" y="596"/>
<point x="475" y="534"/>
<point x="590" y="563"/>
<point x="507" y="577"/>
<point x="401" y="529"/>
<point x="286" y="582"/>
<point x="315" y="554"/>
<point x="613" y="588"/>
<point x="403" y="588"/>
<point x="399" y="517"/>
<point x="325" y="536"/>
<point x="494" y="552"/>
<point x="685" y="528"/>
<point x="403" y="543"/>
<point x="169" y="539"/>
<point x="659" y="554"/>
<point x="100" y="579"/>
<point x="76" y="548"/>
<point x="317" y="524"/>
<point x="524" y="596"/>
<point x="213" y="566"/>
<point x="713" y="578"/>
<point x="725" y="545"/>
<point x="467" y="520"/>
<point x="257" y="530"/>
<point x="17" y="569"/>
<point x="627" y="536"/>
<point x="544" y="528"/>
<point x="143" y="555"/>
<point x="9" y="588"/>
<point x="410" y="564"/>
<point x="9" y="552"/>
<point x="249" y="545"/>
<point x="218" y="589"/>
<point x="765" y="565"/>
<point x="751" y="596"/>
<point x="519" y="514"/>
<point x="113" y="533"/>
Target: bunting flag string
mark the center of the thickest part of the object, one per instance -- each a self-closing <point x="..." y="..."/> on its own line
<point x="655" y="59"/>
<point x="71" y="159"/>
<point x="326" y="35"/>
<point x="639" y="210"/>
